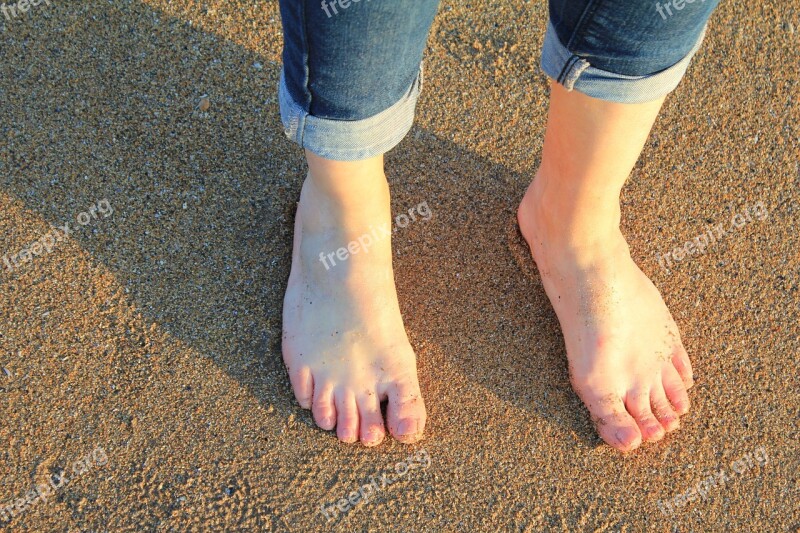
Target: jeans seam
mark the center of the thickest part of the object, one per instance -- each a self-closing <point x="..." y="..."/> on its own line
<point x="566" y="69"/>
<point x="306" y="72"/>
<point x="584" y="20"/>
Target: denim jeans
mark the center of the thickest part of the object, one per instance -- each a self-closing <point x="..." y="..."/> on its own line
<point x="352" y="69"/>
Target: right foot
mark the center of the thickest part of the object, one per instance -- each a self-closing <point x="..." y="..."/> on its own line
<point x="344" y="343"/>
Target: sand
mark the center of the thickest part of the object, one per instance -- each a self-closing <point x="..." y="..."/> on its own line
<point x="140" y="352"/>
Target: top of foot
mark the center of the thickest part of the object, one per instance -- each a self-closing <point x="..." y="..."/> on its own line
<point x="344" y="343"/>
<point x="626" y="359"/>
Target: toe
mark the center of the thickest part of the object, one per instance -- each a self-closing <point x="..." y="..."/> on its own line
<point x="614" y="424"/>
<point x="662" y="409"/>
<point x="638" y="404"/>
<point x="675" y="390"/>
<point x="405" y="413"/>
<point x="303" y="386"/>
<point x="323" y="407"/>
<point x="684" y="367"/>
<point x="371" y="422"/>
<point x="347" y="416"/>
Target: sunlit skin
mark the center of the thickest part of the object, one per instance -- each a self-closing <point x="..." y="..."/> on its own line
<point x="344" y="343"/>
<point x="626" y="359"/>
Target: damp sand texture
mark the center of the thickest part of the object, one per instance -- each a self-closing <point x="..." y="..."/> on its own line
<point x="142" y="387"/>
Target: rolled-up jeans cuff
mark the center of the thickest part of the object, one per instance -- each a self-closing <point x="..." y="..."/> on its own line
<point x="349" y="140"/>
<point x="576" y="73"/>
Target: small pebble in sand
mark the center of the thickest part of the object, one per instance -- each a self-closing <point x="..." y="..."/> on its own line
<point x="7" y="372"/>
<point x="205" y="103"/>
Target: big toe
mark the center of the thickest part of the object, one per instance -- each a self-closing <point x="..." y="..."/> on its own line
<point x="614" y="424"/>
<point x="405" y="413"/>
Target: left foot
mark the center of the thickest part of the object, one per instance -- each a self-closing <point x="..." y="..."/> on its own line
<point x="626" y="359"/>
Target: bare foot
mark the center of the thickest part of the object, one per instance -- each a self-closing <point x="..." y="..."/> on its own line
<point x="344" y="343"/>
<point x="626" y="359"/>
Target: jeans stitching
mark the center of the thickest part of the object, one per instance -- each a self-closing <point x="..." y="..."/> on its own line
<point x="567" y="66"/>
<point x="585" y="18"/>
<point x="306" y="74"/>
<point x="575" y="72"/>
<point x="583" y="21"/>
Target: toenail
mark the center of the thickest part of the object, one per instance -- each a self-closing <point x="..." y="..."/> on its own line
<point x="407" y="427"/>
<point x="625" y="440"/>
<point x="348" y="435"/>
<point x="373" y="436"/>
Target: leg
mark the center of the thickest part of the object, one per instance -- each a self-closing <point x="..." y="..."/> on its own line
<point x="624" y="350"/>
<point x="344" y="343"/>
<point x="626" y="359"/>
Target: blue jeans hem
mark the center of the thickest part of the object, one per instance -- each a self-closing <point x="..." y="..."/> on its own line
<point x="576" y="73"/>
<point x="348" y="140"/>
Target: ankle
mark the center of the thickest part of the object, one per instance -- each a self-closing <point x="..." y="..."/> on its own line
<point x="344" y="195"/>
<point x="345" y="212"/>
<point x="347" y="184"/>
<point x="579" y="223"/>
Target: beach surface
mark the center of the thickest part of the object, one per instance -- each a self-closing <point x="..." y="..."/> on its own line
<point x="147" y="199"/>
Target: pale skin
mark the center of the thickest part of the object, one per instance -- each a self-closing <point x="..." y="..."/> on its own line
<point x="345" y="346"/>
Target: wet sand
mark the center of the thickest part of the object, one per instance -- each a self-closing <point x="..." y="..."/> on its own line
<point x="140" y="350"/>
